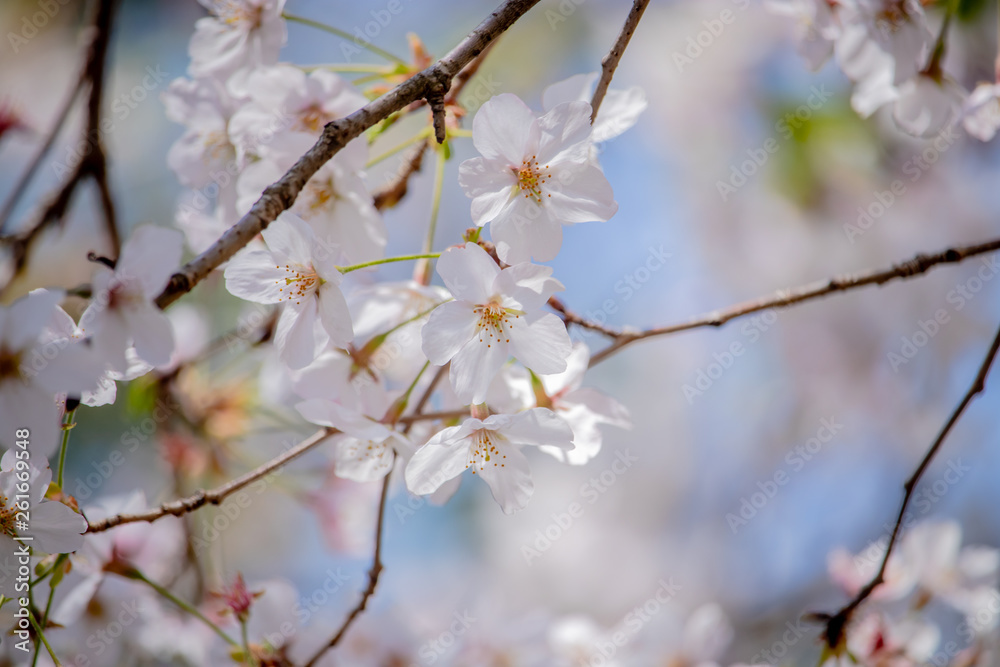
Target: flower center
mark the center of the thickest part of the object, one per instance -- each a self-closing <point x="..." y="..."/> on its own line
<point x="7" y="517"/>
<point x="217" y="146"/>
<point x="494" y="320"/>
<point x="300" y="282"/>
<point x="313" y="118"/>
<point x="10" y="364"/>
<point x="484" y="450"/>
<point x="320" y="193"/>
<point x="531" y="178"/>
<point x="361" y="450"/>
<point x="239" y="13"/>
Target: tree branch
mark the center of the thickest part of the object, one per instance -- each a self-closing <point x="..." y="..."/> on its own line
<point x="279" y="196"/>
<point x="213" y="496"/>
<point x="788" y="297"/>
<point x="837" y="623"/>
<point x="94" y="162"/>
<point x="393" y="192"/>
<point x="610" y="62"/>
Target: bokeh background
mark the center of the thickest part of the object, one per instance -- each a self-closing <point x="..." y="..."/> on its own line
<point x="699" y="456"/>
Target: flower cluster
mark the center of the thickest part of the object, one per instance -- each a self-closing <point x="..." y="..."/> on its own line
<point x="889" y="52"/>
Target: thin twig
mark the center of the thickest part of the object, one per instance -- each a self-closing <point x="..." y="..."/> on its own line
<point x="392" y="193"/>
<point x="373" y="573"/>
<point x="376" y="569"/>
<point x="836" y="624"/>
<point x="213" y="496"/>
<point x="22" y="183"/>
<point x="93" y="164"/>
<point x="610" y="61"/>
<point x="788" y="297"/>
<point x="279" y="196"/>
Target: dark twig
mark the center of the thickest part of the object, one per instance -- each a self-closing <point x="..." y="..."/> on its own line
<point x="837" y="623"/>
<point x="93" y="165"/>
<point x="788" y="297"/>
<point x="393" y="192"/>
<point x="610" y="61"/>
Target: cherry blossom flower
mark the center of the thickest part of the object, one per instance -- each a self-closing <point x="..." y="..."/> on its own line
<point x="981" y="114"/>
<point x="496" y="313"/>
<point x="927" y="104"/>
<point x="619" y="111"/>
<point x="122" y="312"/>
<point x="204" y="151"/>
<point x="36" y="363"/>
<point x="492" y="448"/>
<point x="54" y="527"/>
<point x="297" y="270"/>
<point x="242" y="35"/>
<point x="534" y="176"/>
<point x="816" y="28"/>
<point x="335" y="201"/>
<point x="283" y="100"/>
<point x="367" y="449"/>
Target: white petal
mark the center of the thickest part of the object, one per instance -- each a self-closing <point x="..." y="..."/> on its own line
<point x="621" y="109"/>
<point x="520" y="238"/>
<point x="434" y="463"/>
<point x="469" y="272"/>
<point x="538" y="426"/>
<point x="504" y="127"/>
<point x="581" y="194"/>
<point x="56" y="528"/>
<point x="450" y="326"/>
<point x="292" y="237"/>
<point x="254" y="275"/>
<point x="475" y="366"/>
<point x="151" y="332"/>
<point x="543" y="345"/>
<point x="510" y="484"/>
<point x="528" y="285"/>
<point x="576" y="88"/>
<point x="295" y="335"/>
<point x="564" y="126"/>
<point x="334" y="314"/>
<point x="150" y="256"/>
<point x="362" y="461"/>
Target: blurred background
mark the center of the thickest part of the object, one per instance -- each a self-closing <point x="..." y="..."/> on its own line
<point x="705" y="439"/>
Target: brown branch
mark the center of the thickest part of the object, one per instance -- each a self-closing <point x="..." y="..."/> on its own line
<point x="837" y="623"/>
<point x="93" y="165"/>
<point x="610" y="61"/>
<point x="392" y="193"/>
<point x="376" y="569"/>
<point x="213" y="496"/>
<point x="279" y="196"/>
<point x="788" y="297"/>
<point x="373" y="573"/>
<point x="569" y="317"/>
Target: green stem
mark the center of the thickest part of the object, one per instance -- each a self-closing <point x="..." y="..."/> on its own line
<point x="67" y="425"/>
<point x="136" y="574"/>
<point x="45" y="642"/>
<point x="387" y="260"/>
<point x="246" y="643"/>
<point x="381" y="70"/>
<point x="420" y="136"/>
<point x="343" y="34"/>
<point x="460" y="132"/>
<point x="436" y="202"/>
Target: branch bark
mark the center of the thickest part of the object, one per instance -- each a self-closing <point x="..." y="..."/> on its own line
<point x="610" y="62"/>
<point x="278" y="197"/>
<point x="837" y="623"/>
<point x="788" y="297"/>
